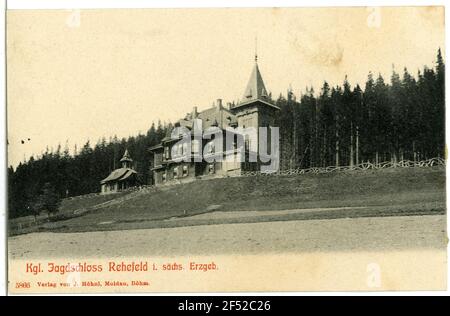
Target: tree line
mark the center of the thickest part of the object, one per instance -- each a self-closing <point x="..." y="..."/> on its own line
<point x="382" y="121"/>
<point x="338" y="126"/>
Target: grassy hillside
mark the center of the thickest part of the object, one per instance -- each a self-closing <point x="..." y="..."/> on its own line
<point x="72" y="204"/>
<point x="69" y="208"/>
<point x="402" y="190"/>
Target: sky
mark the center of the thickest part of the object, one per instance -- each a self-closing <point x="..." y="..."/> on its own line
<point x="80" y="75"/>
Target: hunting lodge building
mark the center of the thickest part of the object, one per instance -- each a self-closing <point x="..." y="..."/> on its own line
<point x="256" y="109"/>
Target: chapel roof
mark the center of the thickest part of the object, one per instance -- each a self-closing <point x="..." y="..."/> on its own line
<point x="119" y="175"/>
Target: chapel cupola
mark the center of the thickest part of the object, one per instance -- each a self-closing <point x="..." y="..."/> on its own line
<point x="126" y="160"/>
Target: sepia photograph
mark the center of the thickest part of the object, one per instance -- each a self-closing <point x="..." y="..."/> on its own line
<point x="226" y="149"/>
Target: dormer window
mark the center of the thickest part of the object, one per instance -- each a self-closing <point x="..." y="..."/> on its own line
<point x="264" y="93"/>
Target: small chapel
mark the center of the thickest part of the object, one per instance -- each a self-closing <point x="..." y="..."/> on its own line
<point x="122" y="178"/>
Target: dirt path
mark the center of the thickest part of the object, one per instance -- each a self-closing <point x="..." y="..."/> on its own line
<point x="384" y="233"/>
<point x="108" y="222"/>
<point x="244" y="214"/>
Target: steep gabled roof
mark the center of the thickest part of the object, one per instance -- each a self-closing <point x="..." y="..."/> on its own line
<point x="256" y="90"/>
<point x="119" y="175"/>
<point x="217" y="116"/>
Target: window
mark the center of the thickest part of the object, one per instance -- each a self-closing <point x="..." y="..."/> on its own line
<point x="175" y="172"/>
<point x="211" y="168"/>
<point x="164" y="176"/>
<point x="185" y="148"/>
<point x="185" y="171"/>
<point x="167" y="152"/>
<point x="158" y="159"/>
<point x="195" y="146"/>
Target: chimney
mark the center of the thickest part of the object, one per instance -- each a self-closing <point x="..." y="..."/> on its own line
<point x="219" y="103"/>
<point x="194" y="112"/>
<point x="229" y="105"/>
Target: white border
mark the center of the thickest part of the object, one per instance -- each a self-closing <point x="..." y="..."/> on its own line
<point x="106" y="4"/>
<point x="3" y="169"/>
<point x="98" y="4"/>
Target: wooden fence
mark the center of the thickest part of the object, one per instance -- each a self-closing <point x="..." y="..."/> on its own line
<point x="362" y="166"/>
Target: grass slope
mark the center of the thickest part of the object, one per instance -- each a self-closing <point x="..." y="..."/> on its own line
<point x="82" y="202"/>
<point x="390" y="191"/>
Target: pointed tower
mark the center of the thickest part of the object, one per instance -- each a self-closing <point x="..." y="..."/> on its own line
<point x="256" y="90"/>
<point x="126" y="160"/>
<point x="256" y="109"/>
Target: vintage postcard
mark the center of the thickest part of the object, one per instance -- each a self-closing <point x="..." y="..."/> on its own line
<point x="226" y="150"/>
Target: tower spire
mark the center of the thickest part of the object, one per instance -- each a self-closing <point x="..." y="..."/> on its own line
<point x="126" y="160"/>
<point x="256" y="49"/>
